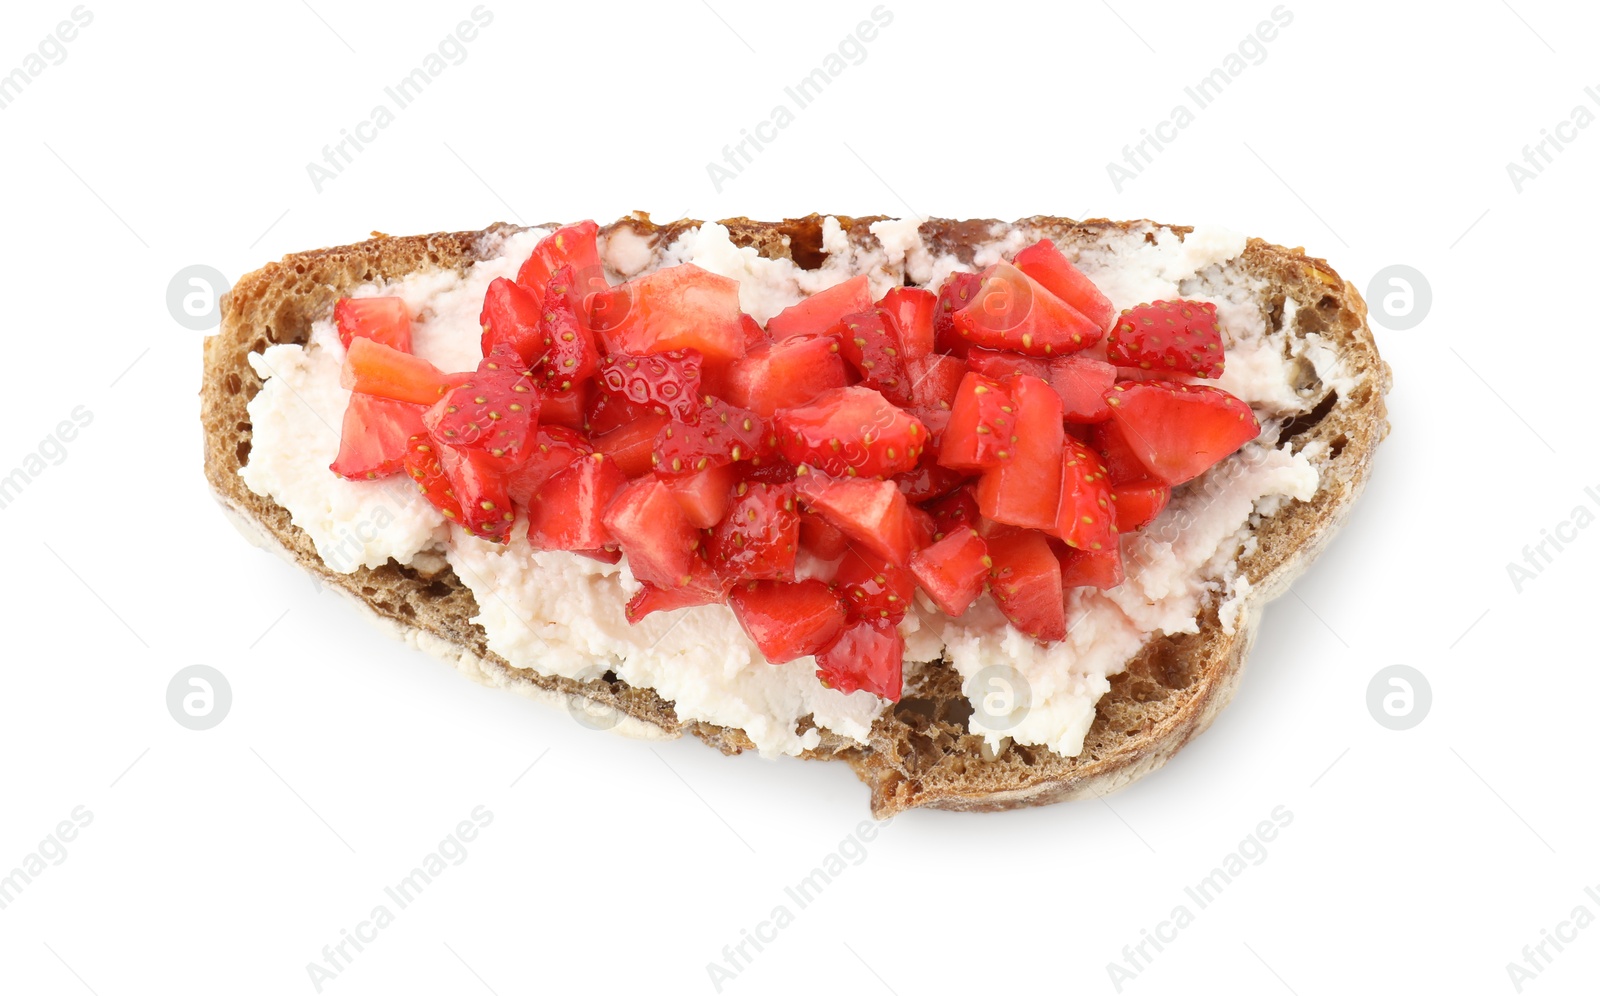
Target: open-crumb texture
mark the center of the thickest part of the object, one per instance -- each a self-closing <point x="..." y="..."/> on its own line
<point x="919" y="752"/>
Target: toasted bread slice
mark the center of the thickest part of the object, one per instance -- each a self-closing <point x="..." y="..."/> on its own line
<point x="920" y="752"/>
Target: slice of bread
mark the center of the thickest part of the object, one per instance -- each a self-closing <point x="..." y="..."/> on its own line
<point x="919" y="752"/>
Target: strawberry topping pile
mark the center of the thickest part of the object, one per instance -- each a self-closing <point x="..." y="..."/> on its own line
<point x="1001" y="434"/>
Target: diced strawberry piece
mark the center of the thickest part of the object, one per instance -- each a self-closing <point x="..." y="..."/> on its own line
<point x="555" y="448"/>
<point x="702" y="588"/>
<point x="1044" y="263"/>
<point x="922" y="527"/>
<point x="873" y="514"/>
<point x="1179" y="431"/>
<point x="1025" y="579"/>
<point x="382" y="371"/>
<point x="1137" y="503"/>
<point x="1082" y="383"/>
<point x="955" y="293"/>
<point x="935" y="378"/>
<point x="511" y="317"/>
<point x="788" y="619"/>
<point x="786" y="374"/>
<point x="822" y="310"/>
<point x="982" y="422"/>
<point x="572" y="246"/>
<point x="681" y="307"/>
<point x="760" y="536"/>
<point x="999" y="364"/>
<point x="867" y="657"/>
<point x="1085" y="519"/>
<point x="824" y="539"/>
<point x="851" y="431"/>
<point x="494" y="412"/>
<point x="704" y="495"/>
<point x="647" y="522"/>
<point x="566" y="408"/>
<point x="374" y="436"/>
<point x="567" y="513"/>
<point x="607" y="411"/>
<point x="571" y="357"/>
<point x="666" y="383"/>
<point x="631" y="446"/>
<point x="381" y="319"/>
<point x="715" y="435"/>
<point x="873" y="587"/>
<point x="1011" y="311"/>
<point x="1022" y="488"/>
<point x="954" y="512"/>
<point x="606" y="554"/>
<point x="1168" y="337"/>
<point x="913" y="309"/>
<point x="989" y="529"/>
<point x="935" y="420"/>
<point x="870" y="342"/>
<point x="953" y="570"/>
<point x="1092" y="568"/>
<point x="466" y="485"/>
<point x="754" y="334"/>
<point x="1122" y="462"/>
<point x="927" y="480"/>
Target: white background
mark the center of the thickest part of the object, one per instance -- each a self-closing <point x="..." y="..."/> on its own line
<point x="223" y="861"/>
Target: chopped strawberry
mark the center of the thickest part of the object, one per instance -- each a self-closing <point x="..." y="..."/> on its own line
<point x="867" y="657"/>
<point x="927" y="480"/>
<point x="609" y="411"/>
<point x="495" y="411"/>
<point x="566" y="514"/>
<point x="954" y="512"/>
<point x="1137" y="503"/>
<point x="681" y="307"/>
<point x="382" y="371"/>
<point x="913" y="309"/>
<point x="1085" y="519"/>
<point x="374" y="436"/>
<point x="555" y="448"/>
<point x="381" y="319"/>
<point x="824" y="539"/>
<point x="1044" y="263"/>
<point x="982" y="423"/>
<point x="1022" y="488"/>
<point x="822" y="310"/>
<point x="873" y="587"/>
<point x="999" y="364"/>
<point x="935" y="378"/>
<point x="955" y="293"/>
<point x="631" y="445"/>
<point x="1011" y="311"/>
<point x="754" y="334"/>
<point x="571" y="357"/>
<point x="648" y="524"/>
<point x="922" y="527"/>
<point x="1025" y="579"/>
<point x="1122" y="462"/>
<point x="851" y="431"/>
<point x="873" y="514"/>
<point x="1178" y="431"/>
<point x="786" y="374"/>
<point x="760" y="536"/>
<point x="466" y="485"/>
<point x="1082" y="383"/>
<point x="788" y="619"/>
<point x="703" y="587"/>
<point x="568" y="407"/>
<point x="572" y="246"/>
<point x="511" y="316"/>
<point x="1092" y="568"/>
<point x="705" y="495"/>
<point x="667" y="383"/>
<point x="1168" y="337"/>
<point x="953" y="570"/>
<point x="870" y="342"/>
<point x="715" y="435"/>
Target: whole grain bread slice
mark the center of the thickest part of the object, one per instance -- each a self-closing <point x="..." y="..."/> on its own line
<point x="920" y="752"/>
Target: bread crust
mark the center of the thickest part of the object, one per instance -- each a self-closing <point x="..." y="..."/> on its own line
<point x="919" y="753"/>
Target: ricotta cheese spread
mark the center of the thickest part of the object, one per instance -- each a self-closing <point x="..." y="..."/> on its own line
<point x="559" y="613"/>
